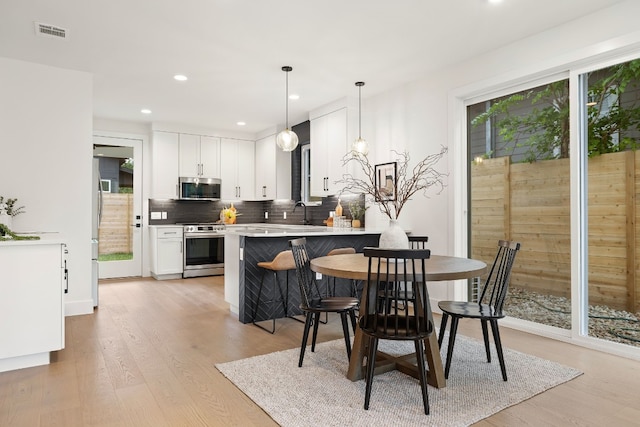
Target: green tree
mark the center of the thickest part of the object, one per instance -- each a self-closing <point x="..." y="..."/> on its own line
<point x="543" y="131"/>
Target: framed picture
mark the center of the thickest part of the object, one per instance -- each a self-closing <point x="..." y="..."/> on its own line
<point x="386" y="180"/>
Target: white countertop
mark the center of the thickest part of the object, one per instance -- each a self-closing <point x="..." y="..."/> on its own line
<point x="279" y="230"/>
<point x="45" y="239"/>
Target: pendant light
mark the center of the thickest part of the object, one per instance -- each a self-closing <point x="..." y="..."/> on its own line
<point x="360" y="145"/>
<point x="287" y="140"/>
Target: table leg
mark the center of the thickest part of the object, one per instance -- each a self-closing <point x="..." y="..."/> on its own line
<point x="405" y="364"/>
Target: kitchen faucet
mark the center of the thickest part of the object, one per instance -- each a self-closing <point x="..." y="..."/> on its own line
<point x="305" y="221"/>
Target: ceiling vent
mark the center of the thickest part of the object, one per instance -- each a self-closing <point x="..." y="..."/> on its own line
<point x="47" y="30"/>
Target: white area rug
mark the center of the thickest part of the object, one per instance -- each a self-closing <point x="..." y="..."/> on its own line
<point x="320" y="394"/>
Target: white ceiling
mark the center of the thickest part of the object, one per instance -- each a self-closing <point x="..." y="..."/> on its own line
<point x="233" y="50"/>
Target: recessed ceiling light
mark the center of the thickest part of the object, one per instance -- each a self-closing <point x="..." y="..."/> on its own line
<point x="294" y="96"/>
<point x="145" y="111"/>
<point x="241" y="123"/>
<point x="180" y="77"/>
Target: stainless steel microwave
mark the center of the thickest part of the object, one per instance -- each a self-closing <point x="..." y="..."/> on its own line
<point x="199" y="188"/>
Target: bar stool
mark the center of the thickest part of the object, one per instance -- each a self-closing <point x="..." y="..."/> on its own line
<point x="283" y="261"/>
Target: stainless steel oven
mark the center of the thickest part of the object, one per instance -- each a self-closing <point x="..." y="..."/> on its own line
<point x="203" y="250"/>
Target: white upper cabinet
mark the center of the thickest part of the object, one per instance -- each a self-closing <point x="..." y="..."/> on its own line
<point x="329" y="144"/>
<point x="199" y="156"/>
<point x="237" y="167"/>
<point x="273" y="170"/>
<point x="164" y="167"/>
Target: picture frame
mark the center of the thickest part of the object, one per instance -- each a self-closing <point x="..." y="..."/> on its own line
<point x="386" y="176"/>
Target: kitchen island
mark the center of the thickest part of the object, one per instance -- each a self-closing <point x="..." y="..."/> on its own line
<point x="246" y="245"/>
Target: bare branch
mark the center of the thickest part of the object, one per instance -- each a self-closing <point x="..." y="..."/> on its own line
<point x="422" y="177"/>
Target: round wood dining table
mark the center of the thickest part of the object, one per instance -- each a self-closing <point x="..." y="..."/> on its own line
<point x="439" y="268"/>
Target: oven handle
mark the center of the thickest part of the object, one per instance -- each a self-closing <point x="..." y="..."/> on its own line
<point x="203" y="235"/>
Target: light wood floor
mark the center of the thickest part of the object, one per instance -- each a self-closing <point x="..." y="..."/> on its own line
<point x="146" y="358"/>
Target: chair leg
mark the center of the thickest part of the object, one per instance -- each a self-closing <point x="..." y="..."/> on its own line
<point x="485" y="335"/>
<point x="422" y="374"/>
<point x="496" y="339"/>
<point x="443" y="327"/>
<point x="345" y="330"/>
<point x="305" y="337"/>
<point x="286" y="311"/>
<point x="352" y="315"/>
<point x="371" y="366"/>
<point x="452" y="341"/>
<point x="255" y="307"/>
<point x="316" y="321"/>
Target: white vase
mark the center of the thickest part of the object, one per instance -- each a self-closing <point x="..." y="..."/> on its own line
<point x="6" y="220"/>
<point x="394" y="237"/>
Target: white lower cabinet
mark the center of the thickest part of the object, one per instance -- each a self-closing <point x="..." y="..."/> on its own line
<point x="166" y="252"/>
<point x="32" y="303"/>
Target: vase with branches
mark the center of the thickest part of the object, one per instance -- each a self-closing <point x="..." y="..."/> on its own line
<point x="406" y="182"/>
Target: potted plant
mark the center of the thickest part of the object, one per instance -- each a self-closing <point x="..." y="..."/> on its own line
<point x="8" y="210"/>
<point x="391" y="185"/>
<point x="357" y="211"/>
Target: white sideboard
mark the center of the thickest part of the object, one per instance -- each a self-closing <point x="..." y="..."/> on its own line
<point x="32" y="306"/>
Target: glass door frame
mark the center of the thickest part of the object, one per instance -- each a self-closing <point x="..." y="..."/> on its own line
<point x="133" y="267"/>
<point x="459" y="99"/>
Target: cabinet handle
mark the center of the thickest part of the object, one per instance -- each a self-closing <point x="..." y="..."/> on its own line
<point x="264" y="191"/>
<point x="239" y="191"/>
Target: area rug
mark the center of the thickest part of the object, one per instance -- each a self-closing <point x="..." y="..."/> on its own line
<point x="320" y="394"/>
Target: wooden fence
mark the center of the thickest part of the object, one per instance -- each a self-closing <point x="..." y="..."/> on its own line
<point x="530" y="203"/>
<point x="115" y="227"/>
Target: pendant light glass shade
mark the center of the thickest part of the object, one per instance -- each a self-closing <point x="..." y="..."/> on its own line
<point x="287" y="140"/>
<point x="360" y="145"/>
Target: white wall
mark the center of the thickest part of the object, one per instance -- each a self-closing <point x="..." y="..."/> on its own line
<point x="45" y="147"/>
<point x="419" y="117"/>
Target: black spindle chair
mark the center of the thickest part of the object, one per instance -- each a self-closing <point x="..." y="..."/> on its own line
<point x="488" y="308"/>
<point x="380" y="317"/>
<point x="313" y="302"/>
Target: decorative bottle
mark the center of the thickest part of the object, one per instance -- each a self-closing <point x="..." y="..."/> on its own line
<point x="339" y="209"/>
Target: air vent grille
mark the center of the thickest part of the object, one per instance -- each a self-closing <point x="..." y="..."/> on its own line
<point x="47" y="30"/>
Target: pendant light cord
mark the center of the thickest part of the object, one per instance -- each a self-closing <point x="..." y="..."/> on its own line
<point x="287" y="102"/>
<point x="360" y="112"/>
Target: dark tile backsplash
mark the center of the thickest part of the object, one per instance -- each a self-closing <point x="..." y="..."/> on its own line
<point x="194" y="211"/>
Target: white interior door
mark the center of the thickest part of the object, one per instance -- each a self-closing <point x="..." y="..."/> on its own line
<point x="120" y="229"/>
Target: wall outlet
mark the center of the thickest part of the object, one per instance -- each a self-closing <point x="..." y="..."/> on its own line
<point x="266" y="215"/>
<point x="164" y="215"/>
<point x="284" y="215"/>
<point x="156" y="215"/>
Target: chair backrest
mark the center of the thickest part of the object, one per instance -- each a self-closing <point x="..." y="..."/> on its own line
<point x="309" y="290"/>
<point x="495" y="287"/>
<point x="418" y="242"/>
<point x="387" y="269"/>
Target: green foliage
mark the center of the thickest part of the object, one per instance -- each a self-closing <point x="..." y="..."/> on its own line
<point x="357" y="209"/>
<point x="9" y="207"/>
<point x="128" y="164"/>
<point x="544" y="131"/>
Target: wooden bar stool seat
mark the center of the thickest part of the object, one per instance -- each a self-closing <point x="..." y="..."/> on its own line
<point x="283" y="261"/>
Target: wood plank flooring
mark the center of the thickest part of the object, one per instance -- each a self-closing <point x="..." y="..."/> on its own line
<point x="146" y="358"/>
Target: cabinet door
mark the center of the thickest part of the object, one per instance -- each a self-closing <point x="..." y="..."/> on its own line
<point x="164" y="165"/>
<point x="246" y="170"/>
<point x="32" y="300"/>
<point x="319" y="139"/>
<point x="266" y="165"/>
<point x="229" y="169"/>
<point x="170" y="257"/>
<point x="189" y="155"/>
<point x="338" y="145"/>
<point x="210" y="156"/>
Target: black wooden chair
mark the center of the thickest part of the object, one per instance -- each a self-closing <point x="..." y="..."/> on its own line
<point x="313" y="302"/>
<point x="418" y="242"/>
<point x="488" y="308"/>
<point x="386" y="268"/>
<point x="343" y="251"/>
